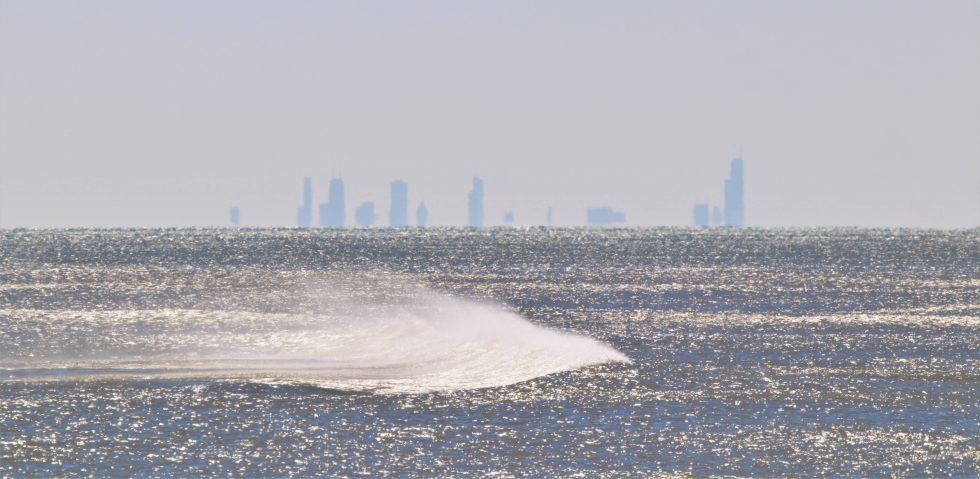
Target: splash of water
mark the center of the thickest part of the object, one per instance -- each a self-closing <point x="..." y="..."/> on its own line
<point x="431" y="344"/>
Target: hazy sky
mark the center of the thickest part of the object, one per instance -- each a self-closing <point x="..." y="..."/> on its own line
<point x="141" y="113"/>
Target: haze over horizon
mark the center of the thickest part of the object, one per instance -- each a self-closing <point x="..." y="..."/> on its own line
<point x="117" y="113"/>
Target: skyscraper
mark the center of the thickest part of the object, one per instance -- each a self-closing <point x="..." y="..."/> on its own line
<point x="398" y="214"/>
<point x="304" y="214"/>
<point x="716" y="219"/>
<point x="364" y="214"/>
<point x="735" y="196"/>
<point x="234" y="216"/>
<point x="547" y="219"/>
<point x="476" y="204"/>
<point x="701" y="214"/>
<point x="508" y="216"/>
<point x="332" y="212"/>
<point x="422" y="215"/>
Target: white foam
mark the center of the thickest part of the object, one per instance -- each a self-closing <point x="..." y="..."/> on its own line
<point x="432" y="344"/>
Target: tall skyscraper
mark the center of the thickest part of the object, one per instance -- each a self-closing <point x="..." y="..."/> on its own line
<point x="422" y="215"/>
<point x="476" y="204"/>
<point x="234" y="215"/>
<point x="364" y="214"/>
<point x="304" y="214"/>
<point x="398" y="214"/>
<point x="701" y="214"/>
<point x="716" y="219"/>
<point x="604" y="216"/>
<point x="332" y="212"/>
<point x="547" y="219"/>
<point x="735" y="196"/>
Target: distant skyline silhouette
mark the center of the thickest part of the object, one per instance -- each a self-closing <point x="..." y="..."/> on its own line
<point x="734" y="201"/>
<point x="333" y="212"/>
<point x="701" y="215"/>
<point x="475" y="204"/>
<point x="304" y="215"/>
<point x="364" y="215"/>
<point x="735" y="195"/>
<point x="398" y="213"/>
<point x="604" y="216"/>
<point x="422" y="215"/>
<point x="169" y="113"/>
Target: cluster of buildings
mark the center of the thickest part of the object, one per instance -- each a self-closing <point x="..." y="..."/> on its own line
<point x="604" y="216"/>
<point x="734" y="212"/>
<point x="332" y="214"/>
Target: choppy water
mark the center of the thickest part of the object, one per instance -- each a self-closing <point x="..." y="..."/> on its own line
<point x="529" y="353"/>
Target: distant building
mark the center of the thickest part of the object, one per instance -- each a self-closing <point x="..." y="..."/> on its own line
<point x="508" y="216"/>
<point x="604" y="216"/>
<point x="304" y="214"/>
<point x="735" y="196"/>
<point x="547" y="219"/>
<point x="233" y="216"/>
<point x="716" y="219"/>
<point x="332" y="212"/>
<point x="475" y="204"/>
<point x="422" y="215"/>
<point x="398" y="214"/>
<point x="364" y="214"/>
<point x="701" y="214"/>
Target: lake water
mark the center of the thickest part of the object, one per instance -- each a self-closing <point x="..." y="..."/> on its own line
<point x="501" y="352"/>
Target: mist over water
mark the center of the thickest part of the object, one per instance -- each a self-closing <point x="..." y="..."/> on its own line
<point x="398" y="338"/>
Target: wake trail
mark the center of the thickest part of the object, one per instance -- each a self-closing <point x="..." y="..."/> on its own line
<point x="432" y="343"/>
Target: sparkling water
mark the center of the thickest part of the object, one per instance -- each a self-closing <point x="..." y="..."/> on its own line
<point x="500" y="352"/>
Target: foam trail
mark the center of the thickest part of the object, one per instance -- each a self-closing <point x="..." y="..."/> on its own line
<point x="432" y="344"/>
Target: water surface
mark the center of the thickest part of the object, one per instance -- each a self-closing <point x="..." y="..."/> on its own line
<point x="512" y="352"/>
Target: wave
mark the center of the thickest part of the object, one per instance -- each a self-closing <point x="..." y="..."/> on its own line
<point x="429" y="344"/>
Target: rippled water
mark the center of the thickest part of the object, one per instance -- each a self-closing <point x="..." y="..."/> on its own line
<point x="511" y="352"/>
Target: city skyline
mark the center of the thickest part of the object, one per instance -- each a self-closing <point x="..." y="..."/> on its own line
<point x="331" y="215"/>
<point x="168" y="113"/>
<point x="551" y="238"/>
<point x="734" y="202"/>
<point x="734" y="206"/>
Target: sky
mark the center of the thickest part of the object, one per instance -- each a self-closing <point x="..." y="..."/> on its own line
<point x="168" y="113"/>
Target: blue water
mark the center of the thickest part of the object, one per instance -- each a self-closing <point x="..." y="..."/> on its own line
<point x="508" y="353"/>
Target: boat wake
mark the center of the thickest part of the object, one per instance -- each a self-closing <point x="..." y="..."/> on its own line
<point x="429" y="344"/>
